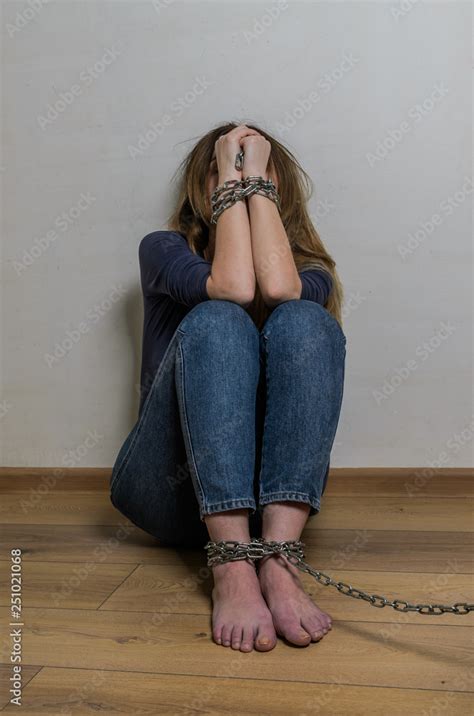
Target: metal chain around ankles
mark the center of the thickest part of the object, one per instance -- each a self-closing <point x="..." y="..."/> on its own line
<point x="230" y="550"/>
<point x="233" y="190"/>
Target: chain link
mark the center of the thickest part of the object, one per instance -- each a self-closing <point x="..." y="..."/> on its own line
<point x="233" y="190"/>
<point x="228" y="551"/>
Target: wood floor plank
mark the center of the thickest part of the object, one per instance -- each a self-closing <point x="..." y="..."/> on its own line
<point x="417" y="656"/>
<point x="39" y="481"/>
<point x="123" y="543"/>
<point x="70" y="585"/>
<point x="180" y="590"/>
<point x="59" y="507"/>
<point x="5" y="673"/>
<point x="419" y="483"/>
<point x="332" y="549"/>
<point x="395" y="513"/>
<point x="87" y="691"/>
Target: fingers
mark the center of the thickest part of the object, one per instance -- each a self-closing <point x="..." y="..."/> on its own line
<point x="254" y="139"/>
<point x="242" y="131"/>
<point x="237" y="134"/>
<point x="238" y="139"/>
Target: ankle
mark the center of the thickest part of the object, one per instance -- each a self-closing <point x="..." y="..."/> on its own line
<point x="237" y="567"/>
<point x="276" y="563"/>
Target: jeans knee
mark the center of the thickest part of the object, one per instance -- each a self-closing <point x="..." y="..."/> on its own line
<point x="300" y="321"/>
<point x="224" y="320"/>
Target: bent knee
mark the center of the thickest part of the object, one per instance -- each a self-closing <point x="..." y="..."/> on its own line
<point x="301" y="321"/>
<point x="218" y="316"/>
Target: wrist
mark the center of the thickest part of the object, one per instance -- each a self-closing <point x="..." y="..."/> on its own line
<point x="229" y="176"/>
<point x="254" y="173"/>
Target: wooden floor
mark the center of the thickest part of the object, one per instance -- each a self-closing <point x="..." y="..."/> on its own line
<point x="114" y="623"/>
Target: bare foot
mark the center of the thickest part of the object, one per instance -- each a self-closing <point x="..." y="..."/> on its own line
<point x="295" y="615"/>
<point x="240" y="616"/>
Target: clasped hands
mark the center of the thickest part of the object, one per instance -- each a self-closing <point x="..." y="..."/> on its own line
<point x="236" y="184"/>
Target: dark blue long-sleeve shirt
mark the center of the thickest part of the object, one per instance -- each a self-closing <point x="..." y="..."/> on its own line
<point x="173" y="280"/>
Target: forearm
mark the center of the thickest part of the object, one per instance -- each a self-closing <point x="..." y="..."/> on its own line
<point x="232" y="274"/>
<point x="275" y="269"/>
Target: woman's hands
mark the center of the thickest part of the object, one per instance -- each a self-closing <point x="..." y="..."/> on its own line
<point x="256" y="155"/>
<point x="227" y="147"/>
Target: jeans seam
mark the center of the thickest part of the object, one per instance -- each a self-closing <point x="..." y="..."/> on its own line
<point x="141" y="419"/>
<point x="290" y="495"/>
<point x="223" y="504"/>
<point x="180" y="389"/>
<point x="125" y="460"/>
<point x="265" y="417"/>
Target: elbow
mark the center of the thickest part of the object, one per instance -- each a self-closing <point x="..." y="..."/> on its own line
<point x="243" y="295"/>
<point x="245" y="301"/>
<point x="276" y="294"/>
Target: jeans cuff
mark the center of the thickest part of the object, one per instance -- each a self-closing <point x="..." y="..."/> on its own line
<point x="314" y="502"/>
<point x="225" y="505"/>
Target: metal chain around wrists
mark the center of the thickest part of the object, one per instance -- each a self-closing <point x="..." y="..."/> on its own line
<point x="265" y="187"/>
<point x="225" y="196"/>
<point x="229" y="550"/>
<point x="233" y="190"/>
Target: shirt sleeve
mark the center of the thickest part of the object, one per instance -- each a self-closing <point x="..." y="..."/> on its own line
<point x="169" y="267"/>
<point x="317" y="285"/>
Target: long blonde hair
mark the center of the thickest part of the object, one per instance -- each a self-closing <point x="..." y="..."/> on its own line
<point x="191" y="215"/>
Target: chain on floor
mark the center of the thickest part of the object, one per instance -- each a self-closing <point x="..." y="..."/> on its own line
<point x="230" y="550"/>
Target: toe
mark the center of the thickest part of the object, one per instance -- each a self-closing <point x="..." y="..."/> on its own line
<point x="325" y="619"/>
<point x="265" y="640"/>
<point x="217" y="634"/>
<point x="226" y="634"/>
<point x="247" y="639"/>
<point x="296" y="634"/>
<point x="236" y="638"/>
<point x="317" y="633"/>
<point x="315" y="627"/>
<point x="325" y="625"/>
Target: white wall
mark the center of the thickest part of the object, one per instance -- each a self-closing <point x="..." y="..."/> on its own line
<point x="374" y="69"/>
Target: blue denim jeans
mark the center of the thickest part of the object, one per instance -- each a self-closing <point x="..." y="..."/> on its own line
<point x="235" y="418"/>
